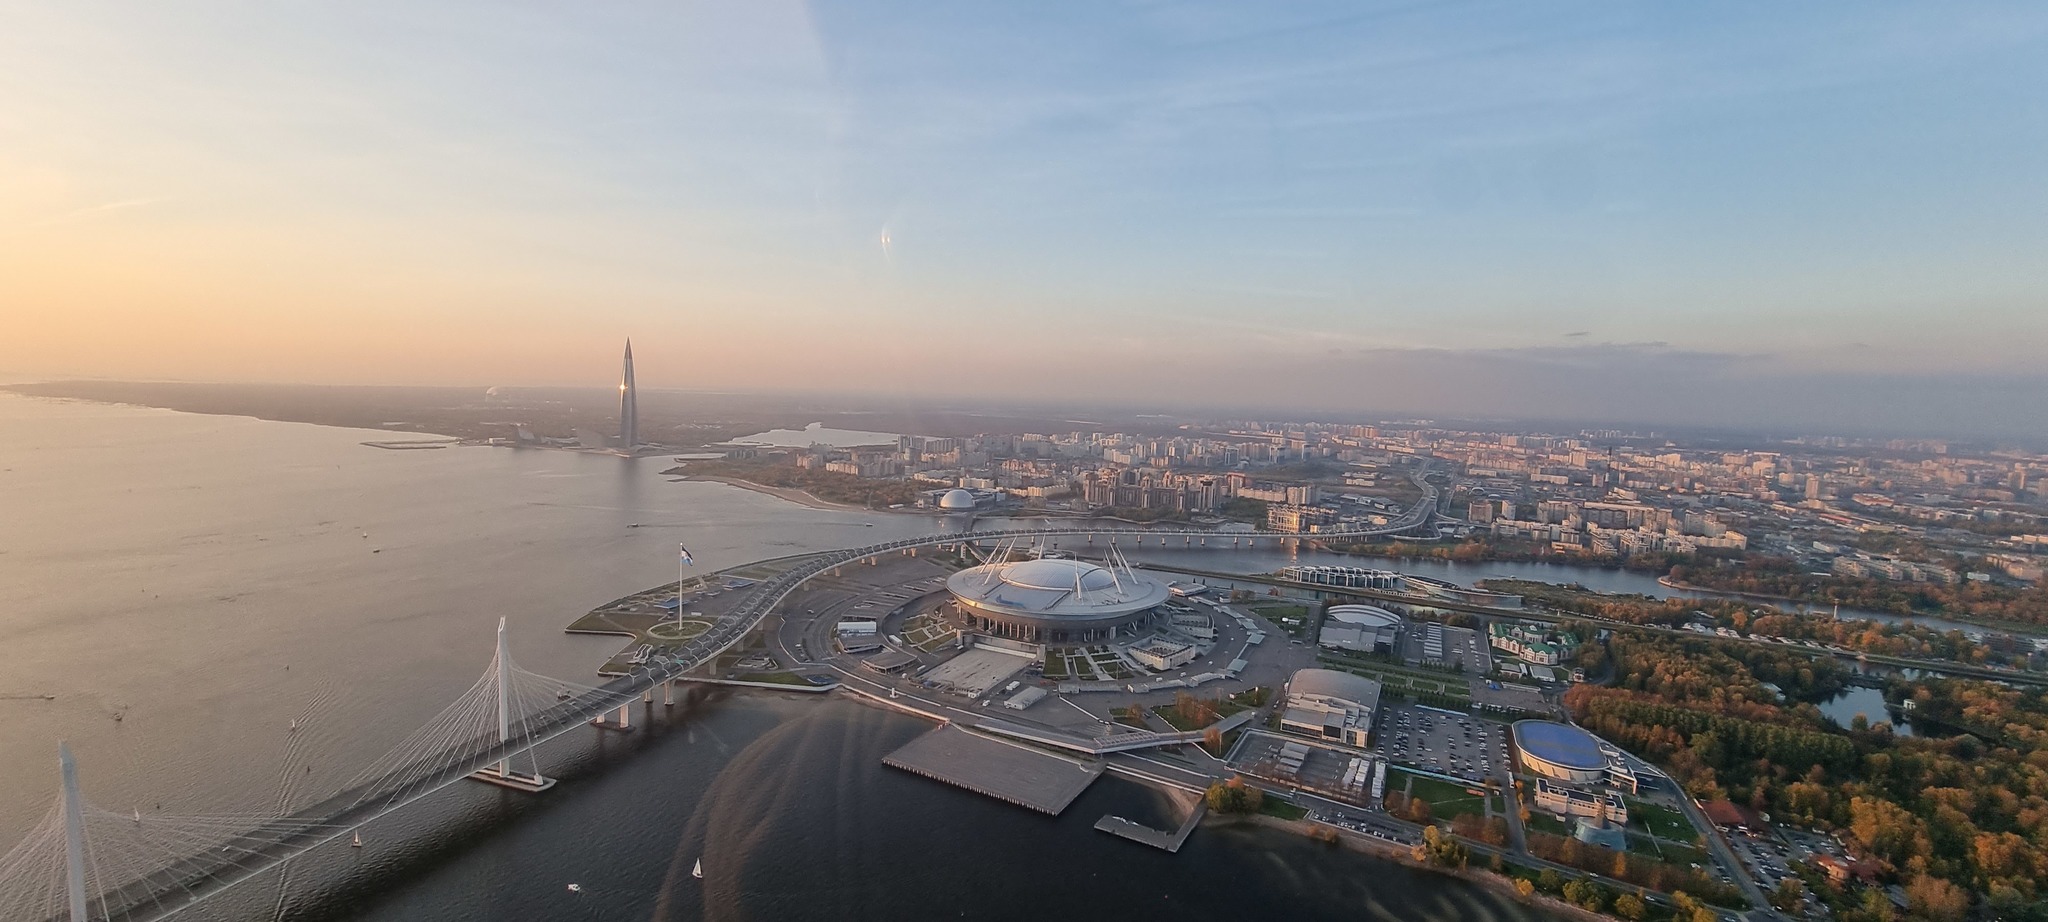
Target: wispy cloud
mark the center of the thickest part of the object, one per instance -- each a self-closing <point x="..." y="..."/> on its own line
<point x="91" y="212"/>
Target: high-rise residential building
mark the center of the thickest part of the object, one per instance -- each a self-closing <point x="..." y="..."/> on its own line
<point x="629" y="405"/>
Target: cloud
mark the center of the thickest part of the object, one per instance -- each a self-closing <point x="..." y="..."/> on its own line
<point x="93" y="211"/>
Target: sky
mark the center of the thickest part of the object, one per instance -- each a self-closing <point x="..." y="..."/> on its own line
<point x="1795" y="214"/>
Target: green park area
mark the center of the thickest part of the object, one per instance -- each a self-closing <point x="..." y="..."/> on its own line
<point x="1663" y="822"/>
<point x="1293" y="617"/>
<point x="1420" y="684"/>
<point x="676" y="631"/>
<point x="1446" y="800"/>
<point x="929" y="632"/>
<point x="1190" y="712"/>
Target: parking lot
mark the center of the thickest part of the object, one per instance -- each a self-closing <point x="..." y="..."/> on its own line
<point x="1441" y="741"/>
<point x="1770" y="857"/>
<point x="1365" y="824"/>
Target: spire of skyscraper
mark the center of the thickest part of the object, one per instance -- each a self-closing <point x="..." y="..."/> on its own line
<point x="629" y="404"/>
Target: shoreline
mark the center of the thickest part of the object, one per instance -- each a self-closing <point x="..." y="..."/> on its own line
<point x="788" y="494"/>
<point x="1400" y="854"/>
<point x="1918" y="617"/>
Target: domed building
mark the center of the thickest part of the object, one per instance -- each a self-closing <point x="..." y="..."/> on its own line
<point x="1560" y="751"/>
<point x="1055" y="600"/>
<point x="957" y="500"/>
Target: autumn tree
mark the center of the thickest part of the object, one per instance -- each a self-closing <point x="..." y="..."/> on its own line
<point x="1936" y="900"/>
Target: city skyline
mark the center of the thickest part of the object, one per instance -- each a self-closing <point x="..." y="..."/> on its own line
<point x="1790" y="217"/>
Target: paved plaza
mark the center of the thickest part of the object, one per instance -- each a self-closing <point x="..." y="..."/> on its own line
<point x="976" y="671"/>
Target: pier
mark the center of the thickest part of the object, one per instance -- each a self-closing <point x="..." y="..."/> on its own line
<point x="1022" y="775"/>
<point x="1168" y="842"/>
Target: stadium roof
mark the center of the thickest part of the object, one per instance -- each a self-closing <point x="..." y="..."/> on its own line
<point x="1056" y="588"/>
<point x="1560" y="744"/>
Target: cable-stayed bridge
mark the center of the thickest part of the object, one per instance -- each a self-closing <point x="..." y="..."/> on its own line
<point x="86" y="863"/>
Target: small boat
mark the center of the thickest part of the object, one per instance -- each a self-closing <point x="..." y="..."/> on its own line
<point x="357" y="842"/>
<point x="697" y="871"/>
<point x="563" y="694"/>
<point x="294" y="728"/>
<point x="575" y="888"/>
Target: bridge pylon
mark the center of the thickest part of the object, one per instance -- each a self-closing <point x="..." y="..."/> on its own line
<point x="74" y="835"/>
<point x="502" y="774"/>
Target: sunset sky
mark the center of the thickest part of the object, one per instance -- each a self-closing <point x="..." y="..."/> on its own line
<point x="1693" y="211"/>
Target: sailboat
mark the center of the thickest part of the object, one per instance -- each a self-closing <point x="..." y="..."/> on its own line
<point x="697" y="870"/>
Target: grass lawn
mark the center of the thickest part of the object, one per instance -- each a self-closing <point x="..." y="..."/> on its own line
<point x="1445" y="800"/>
<point x="1274" y="806"/>
<point x="1662" y="822"/>
<point x="1544" y="822"/>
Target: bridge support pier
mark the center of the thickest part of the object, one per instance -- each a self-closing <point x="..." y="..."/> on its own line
<point x="529" y="784"/>
<point x="668" y="693"/>
<point x="624" y="723"/>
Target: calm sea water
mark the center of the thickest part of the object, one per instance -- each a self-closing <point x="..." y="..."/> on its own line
<point x="211" y="579"/>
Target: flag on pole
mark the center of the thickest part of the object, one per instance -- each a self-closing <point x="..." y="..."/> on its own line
<point x="686" y="555"/>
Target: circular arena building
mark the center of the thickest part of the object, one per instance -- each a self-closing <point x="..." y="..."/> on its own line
<point x="957" y="501"/>
<point x="1368" y="616"/>
<point x="1053" y="600"/>
<point x="1560" y="751"/>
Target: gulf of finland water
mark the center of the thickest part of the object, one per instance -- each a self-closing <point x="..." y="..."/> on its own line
<point x="212" y="579"/>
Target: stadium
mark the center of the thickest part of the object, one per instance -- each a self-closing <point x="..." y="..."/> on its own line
<point x="1560" y="751"/>
<point x="1052" y="600"/>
